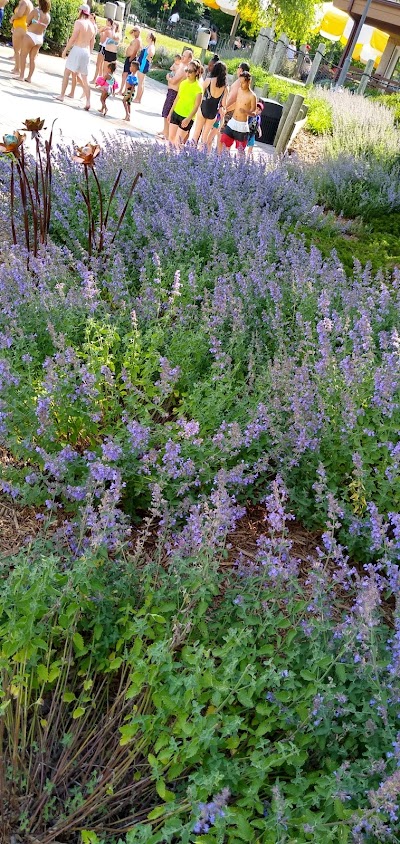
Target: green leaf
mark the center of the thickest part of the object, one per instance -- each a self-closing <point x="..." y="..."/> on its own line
<point x="163" y="792"/>
<point x="89" y="837"/>
<point x="68" y="697"/>
<point x="307" y="675"/>
<point x="78" y="712"/>
<point x="245" y="699"/>
<point x="157" y="812"/>
<point x="78" y="642"/>
<point x="339" y="809"/>
<point x="340" y="671"/>
<point x="42" y="673"/>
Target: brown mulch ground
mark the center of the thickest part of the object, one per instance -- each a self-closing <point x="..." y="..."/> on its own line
<point x="251" y="526"/>
<point x="307" y="147"/>
<point x="17" y="526"/>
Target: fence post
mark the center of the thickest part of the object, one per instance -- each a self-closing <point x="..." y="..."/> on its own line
<point x="316" y="63"/>
<point x="300" y="58"/>
<point x="279" y="54"/>
<point x="288" y="126"/>
<point x="369" y="67"/>
<point x="285" y="111"/>
<point x="261" y="45"/>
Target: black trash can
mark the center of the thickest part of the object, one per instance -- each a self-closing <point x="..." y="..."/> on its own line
<point x="270" y="117"/>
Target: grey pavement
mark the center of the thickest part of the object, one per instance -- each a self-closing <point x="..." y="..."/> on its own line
<point x="21" y="100"/>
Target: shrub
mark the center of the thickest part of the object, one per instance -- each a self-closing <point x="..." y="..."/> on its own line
<point x="63" y="15"/>
<point x="168" y="368"/>
<point x="391" y="101"/>
<point x="361" y="126"/>
<point x="163" y="704"/>
<point x="358" y="187"/>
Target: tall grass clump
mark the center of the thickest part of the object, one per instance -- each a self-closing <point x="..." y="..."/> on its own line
<point x="360" y="126"/>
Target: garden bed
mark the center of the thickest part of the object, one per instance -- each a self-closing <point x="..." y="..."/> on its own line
<point x="200" y="393"/>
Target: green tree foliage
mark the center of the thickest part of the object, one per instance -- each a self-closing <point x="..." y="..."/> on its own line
<point x="294" y="17"/>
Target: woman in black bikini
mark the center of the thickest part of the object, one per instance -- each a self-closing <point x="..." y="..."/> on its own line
<point x="214" y="98"/>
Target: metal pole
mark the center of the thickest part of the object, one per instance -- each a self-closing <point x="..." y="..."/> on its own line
<point x="346" y="64"/>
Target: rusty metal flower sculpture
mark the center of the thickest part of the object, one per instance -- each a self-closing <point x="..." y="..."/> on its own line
<point x="86" y="155"/>
<point x="12" y="144"/>
<point x="35" y="125"/>
<point x="98" y="223"/>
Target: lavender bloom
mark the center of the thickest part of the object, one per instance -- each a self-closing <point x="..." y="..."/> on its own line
<point x="209" y="812"/>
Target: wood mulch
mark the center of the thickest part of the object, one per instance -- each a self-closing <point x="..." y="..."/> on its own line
<point x="243" y="540"/>
<point x="307" y="147"/>
<point x="17" y="526"/>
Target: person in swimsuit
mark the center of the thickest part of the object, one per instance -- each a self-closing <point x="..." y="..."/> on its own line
<point x="243" y="68"/>
<point x="132" y="51"/>
<point x="214" y="100"/>
<point x="145" y="59"/>
<point x="108" y="85"/>
<point x="104" y="33"/>
<point x="254" y="122"/>
<point x="237" y="130"/>
<point x="186" y="105"/>
<point x="32" y="41"/>
<point x="174" y="79"/>
<point x="112" y="44"/>
<point x="79" y="47"/>
<point x="19" y="20"/>
<point x="131" y="88"/>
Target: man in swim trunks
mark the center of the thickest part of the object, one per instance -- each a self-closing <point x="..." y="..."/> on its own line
<point x="132" y="51"/>
<point x="173" y="85"/>
<point x="79" y="48"/>
<point x="237" y="130"/>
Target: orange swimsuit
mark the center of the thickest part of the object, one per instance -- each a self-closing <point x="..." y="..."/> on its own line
<point x="21" y="23"/>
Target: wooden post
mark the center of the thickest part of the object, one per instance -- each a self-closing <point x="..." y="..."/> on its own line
<point x="299" y="59"/>
<point x="285" y="111"/>
<point x="369" y="67"/>
<point x="288" y="126"/>
<point x="260" y="48"/>
<point x="236" y="21"/>
<point x="279" y="54"/>
<point x="316" y="63"/>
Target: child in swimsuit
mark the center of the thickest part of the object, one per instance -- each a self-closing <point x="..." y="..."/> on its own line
<point x="174" y="66"/>
<point x="131" y="87"/>
<point x="254" y="122"/>
<point x="108" y="85"/>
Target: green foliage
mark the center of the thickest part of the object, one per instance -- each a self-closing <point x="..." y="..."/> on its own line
<point x="138" y="695"/>
<point x="391" y="101"/>
<point x="374" y="240"/>
<point x="294" y="17"/>
<point x="6" y="25"/>
<point x="63" y="15"/>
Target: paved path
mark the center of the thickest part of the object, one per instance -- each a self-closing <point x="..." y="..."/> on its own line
<point x="21" y="100"/>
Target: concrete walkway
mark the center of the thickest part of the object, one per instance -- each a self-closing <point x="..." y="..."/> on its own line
<point x="21" y="100"/>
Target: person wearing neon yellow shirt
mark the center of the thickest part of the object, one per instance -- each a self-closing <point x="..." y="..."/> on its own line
<point x="186" y="105"/>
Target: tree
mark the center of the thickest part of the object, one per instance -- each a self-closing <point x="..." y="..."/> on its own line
<point x="294" y="17"/>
